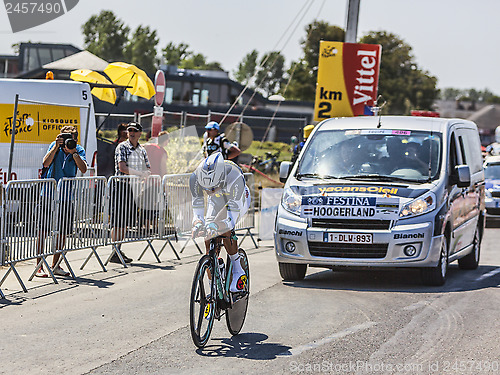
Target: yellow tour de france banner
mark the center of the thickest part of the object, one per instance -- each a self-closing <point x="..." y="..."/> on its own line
<point x="347" y="79"/>
<point x="36" y="123"/>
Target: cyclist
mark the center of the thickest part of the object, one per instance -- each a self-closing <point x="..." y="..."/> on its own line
<point x="228" y="200"/>
<point x="213" y="141"/>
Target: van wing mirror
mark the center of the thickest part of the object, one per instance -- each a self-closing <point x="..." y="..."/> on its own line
<point x="462" y="176"/>
<point x="285" y="168"/>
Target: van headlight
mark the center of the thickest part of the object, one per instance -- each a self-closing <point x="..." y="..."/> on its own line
<point x="419" y="206"/>
<point x="291" y="201"/>
<point x="487" y="193"/>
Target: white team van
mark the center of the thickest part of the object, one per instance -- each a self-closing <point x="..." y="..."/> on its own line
<point x="45" y="106"/>
<point x="383" y="192"/>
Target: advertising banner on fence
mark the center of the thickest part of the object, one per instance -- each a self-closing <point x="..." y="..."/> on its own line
<point x="36" y="123"/>
<point x="347" y="79"/>
<point x="270" y="200"/>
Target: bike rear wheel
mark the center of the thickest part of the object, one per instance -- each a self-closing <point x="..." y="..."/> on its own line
<point x="202" y="305"/>
<point x="235" y="316"/>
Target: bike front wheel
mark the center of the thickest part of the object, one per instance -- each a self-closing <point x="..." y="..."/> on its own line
<point x="202" y="305"/>
<point x="235" y="316"/>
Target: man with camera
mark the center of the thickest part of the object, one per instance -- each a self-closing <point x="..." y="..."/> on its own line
<point x="63" y="159"/>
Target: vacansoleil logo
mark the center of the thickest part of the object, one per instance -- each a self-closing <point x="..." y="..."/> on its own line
<point x="25" y="14"/>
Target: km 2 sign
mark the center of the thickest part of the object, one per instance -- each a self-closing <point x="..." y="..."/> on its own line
<point x="347" y="79"/>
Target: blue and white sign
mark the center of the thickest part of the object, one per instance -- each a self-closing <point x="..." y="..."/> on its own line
<point x="349" y="207"/>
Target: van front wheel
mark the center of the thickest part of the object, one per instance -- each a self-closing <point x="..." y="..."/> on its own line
<point x="292" y="271"/>
<point x="436" y="276"/>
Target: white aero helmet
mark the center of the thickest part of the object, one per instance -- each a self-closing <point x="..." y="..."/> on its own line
<point x="211" y="173"/>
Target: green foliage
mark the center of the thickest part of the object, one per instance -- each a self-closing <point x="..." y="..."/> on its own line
<point x="184" y="153"/>
<point x="302" y="85"/>
<point x="141" y="49"/>
<point x="180" y="55"/>
<point x="105" y="36"/>
<point x="270" y="75"/>
<point x="305" y="72"/>
<point x="316" y="32"/>
<point x="174" y="54"/>
<point x="401" y="83"/>
<point x="473" y="95"/>
<point x="258" y="149"/>
<point x="247" y="68"/>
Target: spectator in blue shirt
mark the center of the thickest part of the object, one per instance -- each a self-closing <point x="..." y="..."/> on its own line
<point x="63" y="159"/>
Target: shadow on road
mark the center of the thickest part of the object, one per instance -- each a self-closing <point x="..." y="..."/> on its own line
<point x="245" y="345"/>
<point x="401" y="280"/>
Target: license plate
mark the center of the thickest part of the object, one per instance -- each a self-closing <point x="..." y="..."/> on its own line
<point x="348" y="237"/>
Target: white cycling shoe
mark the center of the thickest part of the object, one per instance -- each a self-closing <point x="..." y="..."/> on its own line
<point x="239" y="278"/>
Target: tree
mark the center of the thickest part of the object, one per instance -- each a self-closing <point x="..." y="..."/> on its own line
<point x="305" y="72"/>
<point x="141" y="49"/>
<point x="105" y="36"/>
<point x="174" y="54"/>
<point x="199" y="61"/>
<point x="451" y="94"/>
<point x="180" y="55"/>
<point x="401" y="83"/>
<point x="247" y="67"/>
<point x="302" y="86"/>
<point x="270" y="75"/>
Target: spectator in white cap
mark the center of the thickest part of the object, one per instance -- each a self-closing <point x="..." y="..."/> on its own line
<point x="213" y="141"/>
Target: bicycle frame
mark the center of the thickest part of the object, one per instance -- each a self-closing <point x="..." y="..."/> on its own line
<point x="219" y="287"/>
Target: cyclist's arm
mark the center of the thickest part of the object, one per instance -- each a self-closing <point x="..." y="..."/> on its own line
<point x="197" y="200"/>
<point x="236" y="189"/>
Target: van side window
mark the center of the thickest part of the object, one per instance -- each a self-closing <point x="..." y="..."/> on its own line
<point x="473" y="149"/>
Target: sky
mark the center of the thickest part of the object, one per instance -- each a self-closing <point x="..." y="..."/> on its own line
<point x="453" y="40"/>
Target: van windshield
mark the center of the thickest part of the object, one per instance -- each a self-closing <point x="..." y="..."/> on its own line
<point x="382" y="154"/>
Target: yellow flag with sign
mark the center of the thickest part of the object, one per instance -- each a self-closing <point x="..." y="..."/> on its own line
<point x="347" y="79"/>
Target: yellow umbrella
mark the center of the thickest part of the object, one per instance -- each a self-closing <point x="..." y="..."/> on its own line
<point x="107" y="94"/>
<point x="124" y="74"/>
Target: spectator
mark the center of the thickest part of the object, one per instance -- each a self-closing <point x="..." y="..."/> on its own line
<point x="130" y="159"/>
<point x="213" y="141"/>
<point x="121" y="134"/>
<point x="63" y="158"/>
<point x="157" y="154"/>
<point x="298" y="148"/>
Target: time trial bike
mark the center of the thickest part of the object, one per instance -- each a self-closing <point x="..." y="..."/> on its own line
<point x="210" y="295"/>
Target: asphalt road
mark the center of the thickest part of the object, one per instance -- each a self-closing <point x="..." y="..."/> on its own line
<point x="135" y="321"/>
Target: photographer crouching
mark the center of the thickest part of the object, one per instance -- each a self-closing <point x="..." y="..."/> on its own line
<point x="63" y="159"/>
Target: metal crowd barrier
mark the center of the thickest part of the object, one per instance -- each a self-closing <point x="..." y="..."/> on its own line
<point x="135" y="212"/>
<point x="180" y="212"/>
<point x="82" y="202"/>
<point x="247" y="222"/>
<point x="28" y="219"/>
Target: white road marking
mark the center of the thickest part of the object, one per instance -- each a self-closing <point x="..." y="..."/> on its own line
<point x="349" y="331"/>
<point x="416" y="305"/>
<point x="489" y="274"/>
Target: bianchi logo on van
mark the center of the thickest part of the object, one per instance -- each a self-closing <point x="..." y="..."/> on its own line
<point x="404" y="236"/>
<point x="297" y="233"/>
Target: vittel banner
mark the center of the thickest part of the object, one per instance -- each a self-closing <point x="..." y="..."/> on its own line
<point x="347" y="79"/>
